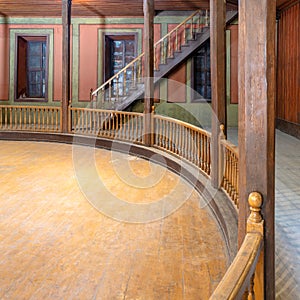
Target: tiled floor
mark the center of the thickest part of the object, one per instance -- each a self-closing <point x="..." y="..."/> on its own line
<point x="55" y="245"/>
<point x="287" y="214"/>
<point x="287" y="217"/>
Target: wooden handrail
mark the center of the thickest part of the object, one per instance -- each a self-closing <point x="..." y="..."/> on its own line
<point x="182" y="123"/>
<point x="238" y="281"/>
<point x="30" y="118"/>
<point x="183" y="139"/>
<point x="177" y="27"/>
<point x="175" y="136"/>
<point x="228" y="167"/>
<point x="132" y="63"/>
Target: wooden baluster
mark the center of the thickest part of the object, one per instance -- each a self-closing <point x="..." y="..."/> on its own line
<point x="58" y="113"/>
<point x="86" y="121"/>
<point x="155" y="59"/>
<point x="161" y="49"/>
<point x="237" y="187"/>
<point x="179" y="146"/>
<point x="81" y="118"/>
<point x="169" y="47"/>
<point x="173" y="137"/>
<point x="124" y="93"/>
<point x="167" y="135"/>
<point x="205" y="153"/>
<point x="192" y="29"/>
<point x="51" y="115"/>
<point x="251" y="295"/>
<point x="12" y="117"/>
<point x="206" y="18"/>
<point x="227" y="170"/>
<point x="232" y="175"/>
<point x="43" y="118"/>
<point x="1" y="117"/>
<point x="235" y="180"/>
<point x="90" y="118"/>
<point x="184" y="34"/>
<point x="192" y="145"/>
<point x="177" y="48"/>
<point x="38" y="118"/>
<point x="6" y="117"/>
<point x="133" y="75"/>
<point x="209" y="156"/>
<point x="176" y="137"/>
<point x="48" y="111"/>
<point x="25" y="118"/>
<point x="199" y="23"/>
<point x="16" y="111"/>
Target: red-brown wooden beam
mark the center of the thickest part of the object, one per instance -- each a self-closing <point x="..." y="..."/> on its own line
<point x="256" y="120"/>
<point x="66" y="20"/>
<point x="218" y="81"/>
<point x="148" y="69"/>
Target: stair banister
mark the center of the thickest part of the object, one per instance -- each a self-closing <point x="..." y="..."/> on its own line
<point x="164" y="41"/>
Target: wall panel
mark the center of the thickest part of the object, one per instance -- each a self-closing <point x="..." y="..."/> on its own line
<point x="288" y="69"/>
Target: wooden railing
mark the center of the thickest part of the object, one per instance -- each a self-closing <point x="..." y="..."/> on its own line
<point x="229" y="170"/>
<point x="111" y="124"/>
<point x="178" y="37"/>
<point x="30" y="118"/>
<point x="184" y="140"/>
<point x="244" y="278"/>
<point x="179" y="138"/>
<point x="120" y="85"/>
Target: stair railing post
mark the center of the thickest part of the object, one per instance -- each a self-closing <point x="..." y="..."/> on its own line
<point x="148" y="69"/>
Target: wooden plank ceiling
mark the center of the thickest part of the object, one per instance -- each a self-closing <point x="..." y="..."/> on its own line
<point x="100" y="8"/>
<point x="96" y="8"/>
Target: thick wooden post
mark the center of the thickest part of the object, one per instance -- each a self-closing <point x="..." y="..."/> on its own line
<point x="148" y="69"/>
<point x="218" y="81"/>
<point x="66" y="21"/>
<point x="256" y="120"/>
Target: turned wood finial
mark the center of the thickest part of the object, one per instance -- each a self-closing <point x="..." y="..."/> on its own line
<point x="255" y="202"/>
<point x="222" y="129"/>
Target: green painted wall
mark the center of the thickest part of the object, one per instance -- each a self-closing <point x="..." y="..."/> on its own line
<point x="195" y="113"/>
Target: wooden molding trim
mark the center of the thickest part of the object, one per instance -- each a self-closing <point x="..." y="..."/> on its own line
<point x="288" y="127"/>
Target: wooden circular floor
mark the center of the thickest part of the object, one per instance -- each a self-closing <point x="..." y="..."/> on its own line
<point x="55" y="245"/>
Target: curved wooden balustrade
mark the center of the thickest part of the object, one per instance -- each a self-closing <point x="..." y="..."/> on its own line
<point x="119" y="86"/>
<point x="183" y="139"/>
<point x="229" y="167"/>
<point x="111" y="124"/>
<point x="179" y="138"/>
<point x="30" y="118"/>
<point x="243" y="279"/>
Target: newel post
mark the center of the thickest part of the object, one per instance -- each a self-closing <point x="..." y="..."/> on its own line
<point x="218" y="82"/>
<point x="221" y="160"/>
<point x="257" y="24"/>
<point x="148" y="69"/>
<point x="255" y="223"/>
<point x="66" y="22"/>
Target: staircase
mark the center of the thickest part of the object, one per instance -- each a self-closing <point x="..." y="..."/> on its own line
<point x="127" y="85"/>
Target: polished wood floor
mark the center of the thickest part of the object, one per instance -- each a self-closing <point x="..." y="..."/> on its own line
<point x="56" y="244"/>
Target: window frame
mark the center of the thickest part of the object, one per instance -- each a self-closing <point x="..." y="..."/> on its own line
<point x="116" y="36"/>
<point x="32" y="37"/>
<point x="195" y="95"/>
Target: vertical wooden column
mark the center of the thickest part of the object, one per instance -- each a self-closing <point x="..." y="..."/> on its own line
<point x="218" y="81"/>
<point x="66" y="21"/>
<point x="148" y="69"/>
<point x="256" y="120"/>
